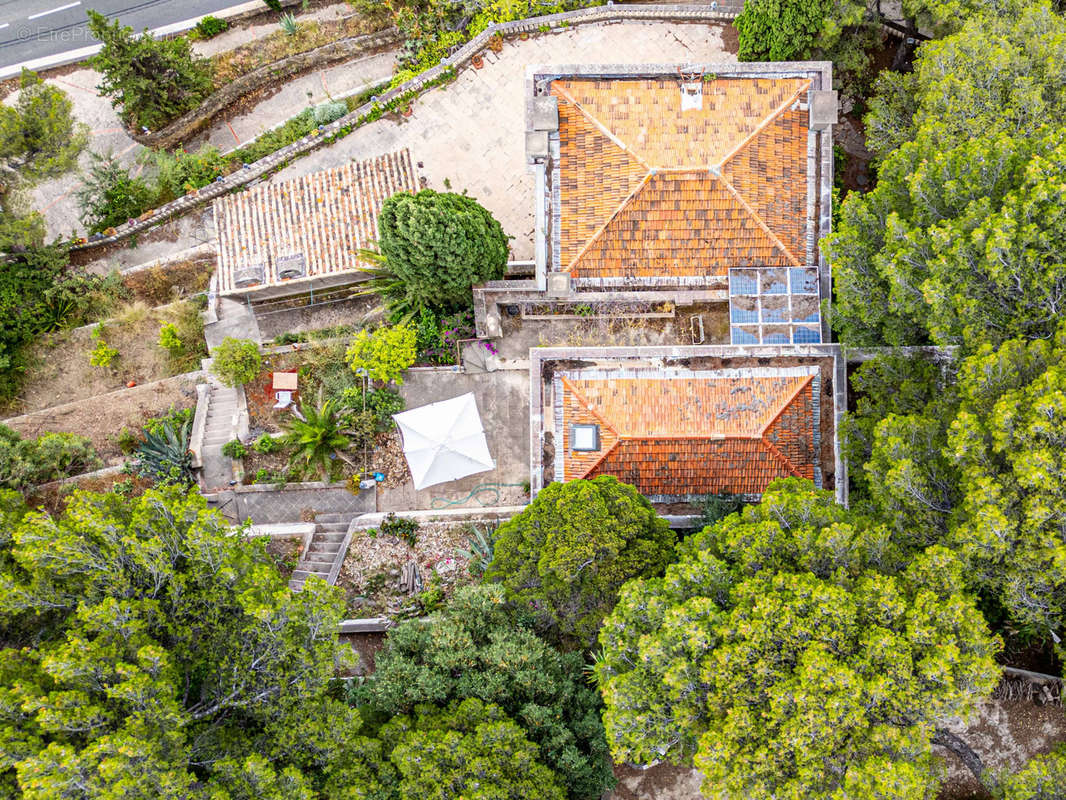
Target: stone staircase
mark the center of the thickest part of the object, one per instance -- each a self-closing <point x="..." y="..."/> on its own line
<point x="220" y="427"/>
<point x="325" y="554"/>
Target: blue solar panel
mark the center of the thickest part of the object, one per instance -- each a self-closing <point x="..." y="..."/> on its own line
<point x="743" y="315"/>
<point x="774" y="314"/>
<point x="743" y="282"/>
<point x="744" y="336"/>
<point x="806" y="336"/>
<point x="775" y="338"/>
<point x="804" y="281"/>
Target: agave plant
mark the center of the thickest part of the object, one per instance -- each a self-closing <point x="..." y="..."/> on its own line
<point x="289" y="24"/>
<point x="164" y="455"/>
<point x="317" y="435"/>
<point x="480" y="543"/>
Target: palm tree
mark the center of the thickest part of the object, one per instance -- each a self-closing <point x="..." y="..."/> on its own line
<point x="317" y="434"/>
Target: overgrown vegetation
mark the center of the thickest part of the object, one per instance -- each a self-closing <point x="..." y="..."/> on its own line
<point x="150" y="81"/>
<point x="25" y="463"/>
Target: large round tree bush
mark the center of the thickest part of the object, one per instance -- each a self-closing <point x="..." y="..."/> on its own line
<point x="439" y="244"/>
<point x="796" y="651"/>
<point x="570" y="551"/>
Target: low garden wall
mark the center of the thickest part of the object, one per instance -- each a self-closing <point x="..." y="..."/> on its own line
<point x="184" y="127"/>
<point x="721" y="11"/>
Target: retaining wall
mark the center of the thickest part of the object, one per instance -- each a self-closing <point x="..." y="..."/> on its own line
<point x="182" y="128"/>
<point x="722" y="11"/>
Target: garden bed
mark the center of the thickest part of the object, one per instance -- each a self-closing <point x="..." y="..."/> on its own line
<point x="371" y="572"/>
<point x="60" y="371"/>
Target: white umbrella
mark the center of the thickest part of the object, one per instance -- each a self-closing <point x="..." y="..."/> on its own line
<point x="444" y="441"/>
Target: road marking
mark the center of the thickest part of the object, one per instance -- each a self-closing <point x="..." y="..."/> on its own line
<point x="4" y="24"/>
<point x="54" y="10"/>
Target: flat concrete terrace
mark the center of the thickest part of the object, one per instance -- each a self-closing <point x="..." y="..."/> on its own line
<point x="471" y="133"/>
<point x="503" y="402"/>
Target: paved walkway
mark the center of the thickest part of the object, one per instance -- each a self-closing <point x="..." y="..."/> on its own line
<point x="270" y="506"/>
<point x="469" y="132"/>
<point x="55" y="198"/>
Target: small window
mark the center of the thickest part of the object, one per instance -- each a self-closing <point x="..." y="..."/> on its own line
<point x="585" y="438"/>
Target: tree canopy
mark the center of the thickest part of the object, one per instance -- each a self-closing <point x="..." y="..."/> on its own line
<point x="569" y="552"/>
<point x="160" y="655"/>
<point x="960" y="239"/>
<point x="467" y="749"/>
<point x="475" y="648"/>
<point x="39" y="138"/>
<point x="150" y="81"/>
<point x="438" y="245"/>
<point x="794" y="652"/>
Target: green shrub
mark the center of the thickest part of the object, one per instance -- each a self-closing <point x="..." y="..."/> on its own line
<point x="208" y="27"/>
<point x="181" y="171"/>
<point x="110" y="196"/>
<point x="326" y="113"/>
<point x="384" y="354"/>
<point x="25" y="463"/>
<point x="174" y="418"/>
<point x="267" y="444"/>
<point x="151" y="81"/>
<point x="234" y="449"/>
<point x="403" y="528"/>
<point x="127" y="440"/>
<point x="236" y="361"/>
<point x="169" y="339"/>
<point x="380" y="404"/>
<point x="102" y="353"/>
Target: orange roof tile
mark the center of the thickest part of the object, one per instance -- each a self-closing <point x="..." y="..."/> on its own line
<point x="686" y="433"/>
<point x="646" y="189"/>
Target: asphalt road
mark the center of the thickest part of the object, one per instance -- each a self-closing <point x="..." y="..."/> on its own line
<point x="31" y="29"/>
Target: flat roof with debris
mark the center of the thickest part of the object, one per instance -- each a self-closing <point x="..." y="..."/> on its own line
<point x="306" y="227"/>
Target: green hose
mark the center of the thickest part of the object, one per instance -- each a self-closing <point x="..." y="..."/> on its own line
<point x="492" y="488"/>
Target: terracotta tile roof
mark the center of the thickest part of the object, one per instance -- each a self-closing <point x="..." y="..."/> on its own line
<point x="681" y="433"/>
<point x="326" y="216"/>
<point x="646" y="189"/>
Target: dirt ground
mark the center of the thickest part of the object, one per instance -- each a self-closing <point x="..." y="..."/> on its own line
<point x="1006" y="735"/>
<point x="371" y="571"/>
<point x="103" y="417"/>
<point x="61" y="372"/>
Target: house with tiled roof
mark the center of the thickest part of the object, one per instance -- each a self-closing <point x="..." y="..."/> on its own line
<point x="684" y="423"/>
<point x="305" y="233"/>
<point x="687" y="183"/>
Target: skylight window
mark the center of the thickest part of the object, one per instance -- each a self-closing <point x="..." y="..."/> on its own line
<point x="585" y="438"/>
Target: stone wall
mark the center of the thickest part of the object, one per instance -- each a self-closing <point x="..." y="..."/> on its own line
<point x="721" y="11"/>
<point x="181" y="129"/>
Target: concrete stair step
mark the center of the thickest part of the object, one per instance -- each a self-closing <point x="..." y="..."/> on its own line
<point x="331" y="527"/>
<point x="332" y="517"/>
<point x="333" y="537"/>
<point x="303" y="574"/>
<point x="319" y="567"/>
<point x="322" y="550"/>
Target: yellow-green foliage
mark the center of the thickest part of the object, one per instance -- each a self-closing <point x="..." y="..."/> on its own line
<point x="102" y="353"/>
<point x="383" y="354"/>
